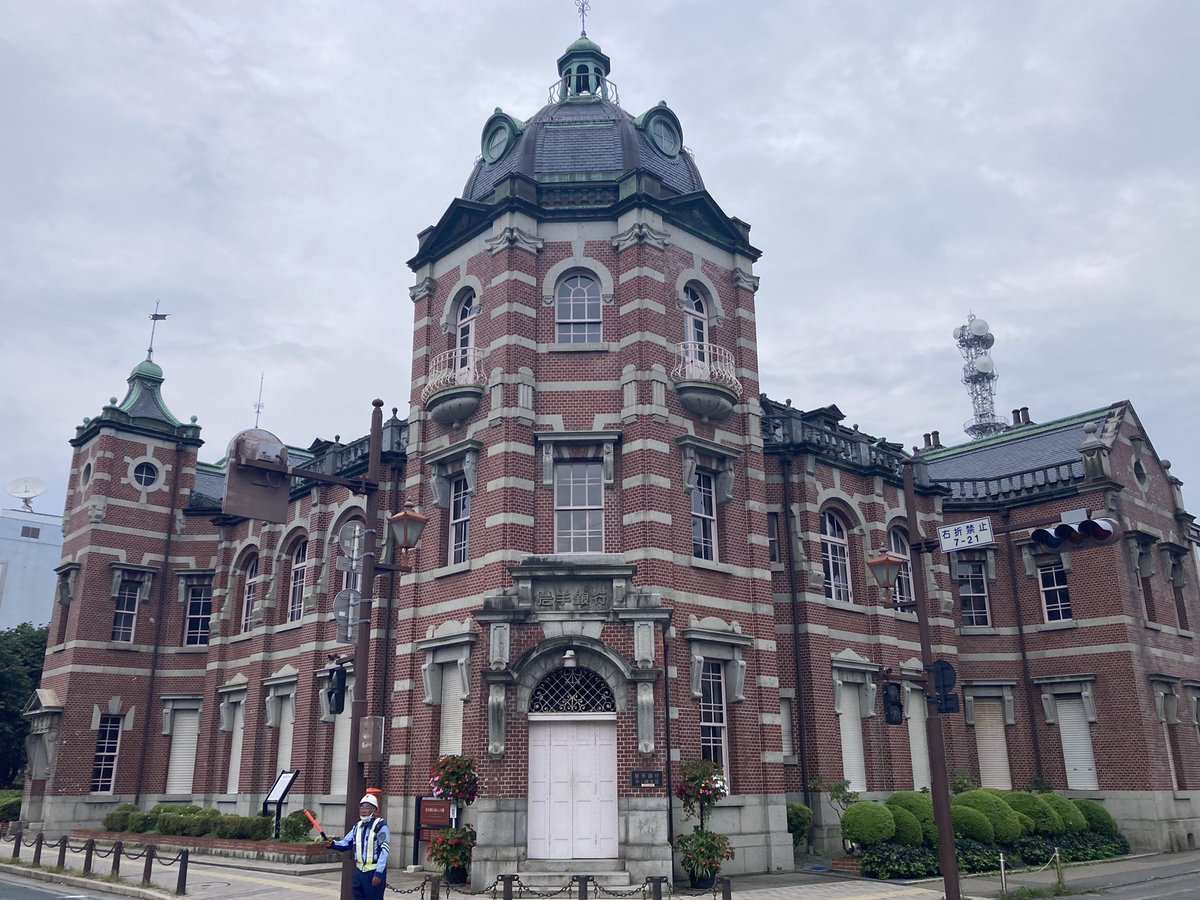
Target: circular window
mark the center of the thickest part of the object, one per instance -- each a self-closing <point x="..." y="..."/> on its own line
<point x="87" y="475"/>
<point x="495" y="141"/>
<point x="665" y="135"/>
<point x="145" y="474"/>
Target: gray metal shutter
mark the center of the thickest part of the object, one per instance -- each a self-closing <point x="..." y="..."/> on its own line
<point x="991" y="743"/>
<point x="918" y="743"/>
<point x="235" y="747"/>
<point x="452" y="711"/>
<point x="854" y="767"/>
<point x="1076" y="739"/>
<point x="340" y="764"/>
<point x="185" y="731"/>
<point x="287" y="721"/>
<point x="785" y="725"/>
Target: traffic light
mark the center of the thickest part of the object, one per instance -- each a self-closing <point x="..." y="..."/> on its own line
<point x="1074" y="534"/>
<point x="893" y="703"/>
<point x="336" y="692"/>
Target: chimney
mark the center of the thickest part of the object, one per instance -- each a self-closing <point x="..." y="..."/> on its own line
<point x="1025" y="416"/>
<point x="928" y="444"/>
<point x="1016" y="417"/>
<point x="937" y="441"/>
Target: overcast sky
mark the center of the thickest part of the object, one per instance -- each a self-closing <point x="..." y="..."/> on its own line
<point x="262" y="169"/>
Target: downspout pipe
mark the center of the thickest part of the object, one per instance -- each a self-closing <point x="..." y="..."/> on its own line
<point x="667" y="733"/>
<point x="158" y="625"/>
<point x="788" y="531"/>
<point x="1030" y="693"/>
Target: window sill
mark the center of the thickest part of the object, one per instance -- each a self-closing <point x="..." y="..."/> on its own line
<point x="1185" y="633"/>
<point x="289" y="626"/>
<point x="121" y="645"/>
<point x="791" y="759"/>
<point x="453" y="569"/>
<point x="242" y="636"/>
<point x="194" y="648"/>
<point x="1061" y="625"/>
<point x="711" y="566"/>
<point x="979" y="629"/>
<point x="600" y="347"/>
<point x="843" y="605"/>
<point x="1154" y="626"/>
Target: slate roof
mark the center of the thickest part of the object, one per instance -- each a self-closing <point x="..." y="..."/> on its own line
<point x="210" y="487"/>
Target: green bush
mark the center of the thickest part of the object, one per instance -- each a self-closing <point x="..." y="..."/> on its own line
<point x="1045" y="819"/>
<point x="294" y="827"/>
<point x="156" y="812"/>
<point x="1098" y="819"/>
<point x="963" y="782"/>
<point x="1072" y="819"/>
<point x="867" y="823"/>
<point x="921" y="806"/>
<point x="908" y="829"/>
<point x="971" y="823"/>
<point x="1005" y="824"/>
<point x="233" y="826"/>
<point x="139" y="822"/>
<point x="1035" y="849"/>
<point x="10" y="805"/>
<point x="1027" y="824"/>
<point x="118" y="819"/>
<point x="974" y="856"/>
<point x="897" y="861"/>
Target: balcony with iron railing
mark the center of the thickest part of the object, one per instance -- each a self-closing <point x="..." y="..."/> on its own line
<point x="455" y="386"/>
<point x="570" y="88"/>
<point x="705" y="377"/>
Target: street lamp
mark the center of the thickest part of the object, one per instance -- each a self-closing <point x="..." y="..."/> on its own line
<point x="406" y="527"/>
<point x="886" y="568"/>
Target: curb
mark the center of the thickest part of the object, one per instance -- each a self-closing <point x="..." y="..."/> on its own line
<point x="78" y="881"/>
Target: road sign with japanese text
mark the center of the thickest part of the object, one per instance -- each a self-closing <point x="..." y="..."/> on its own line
<point x="966" y="535"/>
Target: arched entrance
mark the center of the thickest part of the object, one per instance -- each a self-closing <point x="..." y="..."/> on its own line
<point x="572" y="767"/>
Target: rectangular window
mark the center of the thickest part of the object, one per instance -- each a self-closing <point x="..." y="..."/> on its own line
<point x="991" y="743"/>
<point x="773" y="536"/>
<point x="578" y="507"/>
<point x="785" y="725"/>
<point x="714" y="737"/>
<point x="1148" y="598"/>
<point x="198" y="598"/>
<point x="28" y="531"/>
<point x="1181" y="608"/>
<point x="296" y="592"/>
<point x="108" y="741"/>
<point x="1055" y="598"/>
<point x="972" y="594"/>
<point x="460" y="520"/>
<point x="125" y="609"/>
<point x="704" y="517"/>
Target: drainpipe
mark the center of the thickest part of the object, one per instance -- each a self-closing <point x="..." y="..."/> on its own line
<point x="667" y="729"/>
<point x="1030" y="695"/>
<point x="791" y="564"/>
<point x="158" y="626"/>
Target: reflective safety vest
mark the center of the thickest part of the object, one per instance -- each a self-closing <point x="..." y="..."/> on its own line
<point x="365" y="856"/>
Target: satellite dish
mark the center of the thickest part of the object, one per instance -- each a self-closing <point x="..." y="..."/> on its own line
<point x="25" y="489"/>
<point x="985" y="366"/>
<point x="979" y="327"/>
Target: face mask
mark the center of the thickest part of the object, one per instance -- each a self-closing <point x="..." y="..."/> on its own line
<point x="366" y="818"/>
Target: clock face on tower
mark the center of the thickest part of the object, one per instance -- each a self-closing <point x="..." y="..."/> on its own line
<point x="498" y="135"/>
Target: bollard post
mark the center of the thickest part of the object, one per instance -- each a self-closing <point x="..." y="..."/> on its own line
<point x="656" y="886"/>
<point x="726" y="888"/>
<point x="507" y="886"/>
<point x="88" y="849"/>
<point x="582" y="881"/>
<point x="17" y="845"/>
<point x="435" y="887"/>
<point x="37" y="849"/>
<point x="148" y="869"/>
<point x="181" y="884"/>
<point x="1003" y="877"/>
<point x="62" y="852"/>
<point x="118" y="847"/>
<point x="1058" y="869"/>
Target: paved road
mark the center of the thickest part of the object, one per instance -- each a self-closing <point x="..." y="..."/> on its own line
<point x="22" y="889"/>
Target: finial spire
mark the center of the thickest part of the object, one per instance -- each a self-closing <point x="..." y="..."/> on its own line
<point x="258" y="404"/>
<point x="155" y="318"/>
<point x="583" y="6"/>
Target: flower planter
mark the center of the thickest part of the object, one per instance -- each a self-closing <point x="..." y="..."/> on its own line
<point x="456" y="875"/>
<point x="701" y="882"/>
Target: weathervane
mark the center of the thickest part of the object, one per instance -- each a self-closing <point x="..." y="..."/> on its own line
<point x="155" y="318"/>
<point x="258" y="404"/>
<point x="583" y="6"/>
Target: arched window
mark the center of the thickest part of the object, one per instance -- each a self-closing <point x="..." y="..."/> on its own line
<point x="468" y="313"/>
<point x="695" y="332"/>
<point x="898" y="544"/>
<point x="249" y="592"/>
<point x="572" y="690"/>
<point x="577" y="310"/>
<point x="835" y="558"/>
<point x="299" y="571"/>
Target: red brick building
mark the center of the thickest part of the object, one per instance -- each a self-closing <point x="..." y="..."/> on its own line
<point x="633" y="559"/>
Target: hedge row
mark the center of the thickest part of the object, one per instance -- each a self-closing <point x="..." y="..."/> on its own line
<point x="193" y="821"/>
<point x="897" y="861"/>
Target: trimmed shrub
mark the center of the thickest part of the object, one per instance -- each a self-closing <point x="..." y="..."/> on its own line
<point x="963" y="782"/>
<point x="1027" y="824"/>
<point x="1035" y="849"/>
<point x="898" y="861"/>
<point x="1099" y="819"/>
<point x="908" y="829"/>
<point x="1038" y="849"/>
<point x="1005" y="824"/>
<point x="799" y="818"/>
<point x="867" y="823"/>
<point x="182" y="809"/>
<point x="971" y="823"/>
<point x="921" y="806"/>
<point x="10" y="806"/>
<point x="974" y="856"/>
<point x="1072" y="819"/>
<point x="172" y="823"/>
<point x="1045" y="819"/>
<point x="118" y="819"/>
<point x="139" y="822"/>
<point x="294" y="827"/>
<point x="202" y="823"/>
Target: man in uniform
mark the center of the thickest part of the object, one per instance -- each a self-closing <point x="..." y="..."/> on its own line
<point x="369" y="840"/>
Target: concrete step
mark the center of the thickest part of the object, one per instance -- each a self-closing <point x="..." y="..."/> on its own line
<point x="557" y="873"/>
<point x="588" y="866"/>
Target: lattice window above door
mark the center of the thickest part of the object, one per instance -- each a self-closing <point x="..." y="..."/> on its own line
<point x="576" y="690"/>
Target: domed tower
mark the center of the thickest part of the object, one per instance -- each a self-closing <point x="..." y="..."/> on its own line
<point x="590" y="599"/>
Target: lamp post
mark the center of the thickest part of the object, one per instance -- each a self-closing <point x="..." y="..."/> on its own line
<point x="886" y="568"/>
<point x="406" y="525"/>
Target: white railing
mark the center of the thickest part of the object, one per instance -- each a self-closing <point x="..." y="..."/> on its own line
<point x="700" y="361"/>
<point x="455" y="368"/>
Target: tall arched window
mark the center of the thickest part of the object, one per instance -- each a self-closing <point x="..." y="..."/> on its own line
<point x="695" y="329"/>
<point x="835" y="558"/>
<point x="296" y="589"/>
<point x="898" y="544"/>
<point x="468" y="312"/>
<point x="249" y="592"/>
<point x="577" y="310"/>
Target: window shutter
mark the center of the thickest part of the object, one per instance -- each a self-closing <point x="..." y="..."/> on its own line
<point x="287" y="721"/>
<point x="452" y="711"/>
<point x="185" y="731"/>
<point x="991" y="743"/>
<point x="1076" y="740"/>
<point x="341" y="745"/>
<point x="785" y="725"/>
<point x="918" y="743"/>
<point x="235" y="748"/>
<point x="854" y="767"/>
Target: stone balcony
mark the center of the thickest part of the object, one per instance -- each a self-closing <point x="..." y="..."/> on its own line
<point x="705" y="379"/>
<point x="455" y="386"/>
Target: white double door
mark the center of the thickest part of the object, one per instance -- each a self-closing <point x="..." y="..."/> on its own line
<point x="573" y="787"/>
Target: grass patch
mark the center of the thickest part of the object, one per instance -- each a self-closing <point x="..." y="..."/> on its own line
<point x="1031" y="893"/>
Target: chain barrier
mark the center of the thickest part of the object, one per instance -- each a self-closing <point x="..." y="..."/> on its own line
<point x="169" y="862"/>
<point x="100" y="853"/>
<point x="534" y="892"/>
<point x="467" y="892"/>
<point x="420" y="887"/>
<point x="136" y="856"/>
<point x="641" y="890"/>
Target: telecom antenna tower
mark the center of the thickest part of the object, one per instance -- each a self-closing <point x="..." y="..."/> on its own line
<point x="979" y="375"/>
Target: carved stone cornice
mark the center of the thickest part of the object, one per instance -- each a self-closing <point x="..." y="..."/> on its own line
<point x="422" y="289"/>
<point x="743" y="279"/>
<point x="640" y="233"/>
<point x="513" y="238"/>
